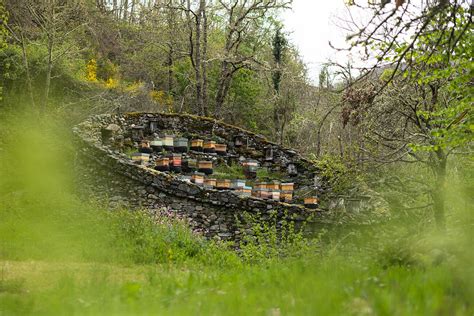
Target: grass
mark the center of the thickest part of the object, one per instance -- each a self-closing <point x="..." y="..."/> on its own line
<point x="327" y="285"/>
<point x="60" y="256"/>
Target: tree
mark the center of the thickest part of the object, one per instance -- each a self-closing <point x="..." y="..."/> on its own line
<point x="49" y="23"/>
<point x="245" y="20"/>
<point x="3" y="33"/>
<point x="421" y="111"/>
<point x="279" y="114"/>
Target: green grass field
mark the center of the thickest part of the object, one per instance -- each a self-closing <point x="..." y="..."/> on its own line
<point x="62" y="256"/>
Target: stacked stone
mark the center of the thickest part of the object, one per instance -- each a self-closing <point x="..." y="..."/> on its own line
<point x="210" y="211"/>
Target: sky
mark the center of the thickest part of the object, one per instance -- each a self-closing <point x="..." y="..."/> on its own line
<point x="311" y="24"/>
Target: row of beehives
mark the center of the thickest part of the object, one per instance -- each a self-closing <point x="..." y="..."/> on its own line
<point x="182" y="144"/>
<point x="273" y="190"/>
<point x="175" y="163"/>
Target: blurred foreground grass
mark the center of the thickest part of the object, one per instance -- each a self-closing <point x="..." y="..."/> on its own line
<point x="60" y="255"/>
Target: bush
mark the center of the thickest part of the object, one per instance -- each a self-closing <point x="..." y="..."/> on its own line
<point x="273" y="239"/>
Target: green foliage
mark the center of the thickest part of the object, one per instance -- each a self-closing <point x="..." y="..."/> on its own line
<point x="3" y="36"/>
<point x="223" y="171"/>
<point x="448" y="67"/>
<point x="138" y="237"/>
<point x="265" y="173"/>
<point x="273" y="239"/>
<point x="333" y="170"/>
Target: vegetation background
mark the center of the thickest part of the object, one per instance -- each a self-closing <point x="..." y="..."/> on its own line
<point x="401" y="126"/>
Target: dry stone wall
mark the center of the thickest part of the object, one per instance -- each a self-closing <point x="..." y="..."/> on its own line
<point x="214" y="213"/>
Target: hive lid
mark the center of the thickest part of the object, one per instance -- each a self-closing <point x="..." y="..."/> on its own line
<point x="141" y="155"/>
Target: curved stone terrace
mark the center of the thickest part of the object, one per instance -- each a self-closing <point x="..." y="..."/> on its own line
<point x="283" y="183"/>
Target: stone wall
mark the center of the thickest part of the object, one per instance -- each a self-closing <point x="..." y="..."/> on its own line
<point x="213" y="212"/>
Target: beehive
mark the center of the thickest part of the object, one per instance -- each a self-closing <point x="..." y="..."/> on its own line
<point x="157" y="145"/>
<point x="260" y="185"/>
<point x="205" y="166"/>
<point x="140" y="158"/>
<point x="286" y="196"/>
<point x="221" y="149"/>
<point x="223" y="184"/>
<point x="274" y="195"/>
<point x="311" y="202"/>
<point x="237" y="183"/>
<point x="189" y="165"/>
<point x="209" y="146"/>
<point x="196" y="144"/>
<point x="180" y="144"/>
<point x="244" y="191"/>
<point x="287" y="186"/>
<point x="197" y="178"/>
<point x="273" y="185"/>
<point x="168" y="142"/>
<point x="210" y="182"/>
<point x="261" y="193"/>
<point x="162" y="164"/>
<point x="175" y="162"/>
<point x="250" y="168"/>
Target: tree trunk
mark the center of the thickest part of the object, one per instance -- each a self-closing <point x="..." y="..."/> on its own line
<point x="27" y="69"/>
<point x="50" y="35"/>
<point x="170" y="71"/>
<point x="125" y="10"/>
<point x="222" y="89"/>
<point x="197" y="59"/>
<point x="205" y="98"/>
<point x="438" y="195"/>
<point x="132" y="13"/>
<point x="47" y="84"/>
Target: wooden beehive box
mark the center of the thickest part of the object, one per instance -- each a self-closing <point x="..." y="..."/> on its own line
<point x="237" y="183"/>
<point x="223" y="184"/>
<point x="286" y="196"/>
<point x="311" y="202"/>
<point x="196" y="144"/>
<point x="205" y="166"/>
<point x="210" y="182"/>
<point x="273" y="185"/>
<point x="197" y="178"/>
<point x="140" y="158"/>
<point x="180" y="144"/>
<point x="221" y="149"/>
<point x="209" y="146"/>
<point x="287" y="186"/>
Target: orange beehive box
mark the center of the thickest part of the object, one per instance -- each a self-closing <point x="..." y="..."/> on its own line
<point x="196" y="144"/>
<point x="209" y="145"/>
<point x="223" y="183"/>
<point x="260" y="185"/>
<point x="287" y="186"/>
<point x="162" y="162"/>
<point x="210" y="182"/>
<point x="273" y="185"/>
<point x="221" y="149"/>
<point x="286" y="196"/>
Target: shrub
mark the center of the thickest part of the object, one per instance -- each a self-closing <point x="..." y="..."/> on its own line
<point x="273" y="239"/>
